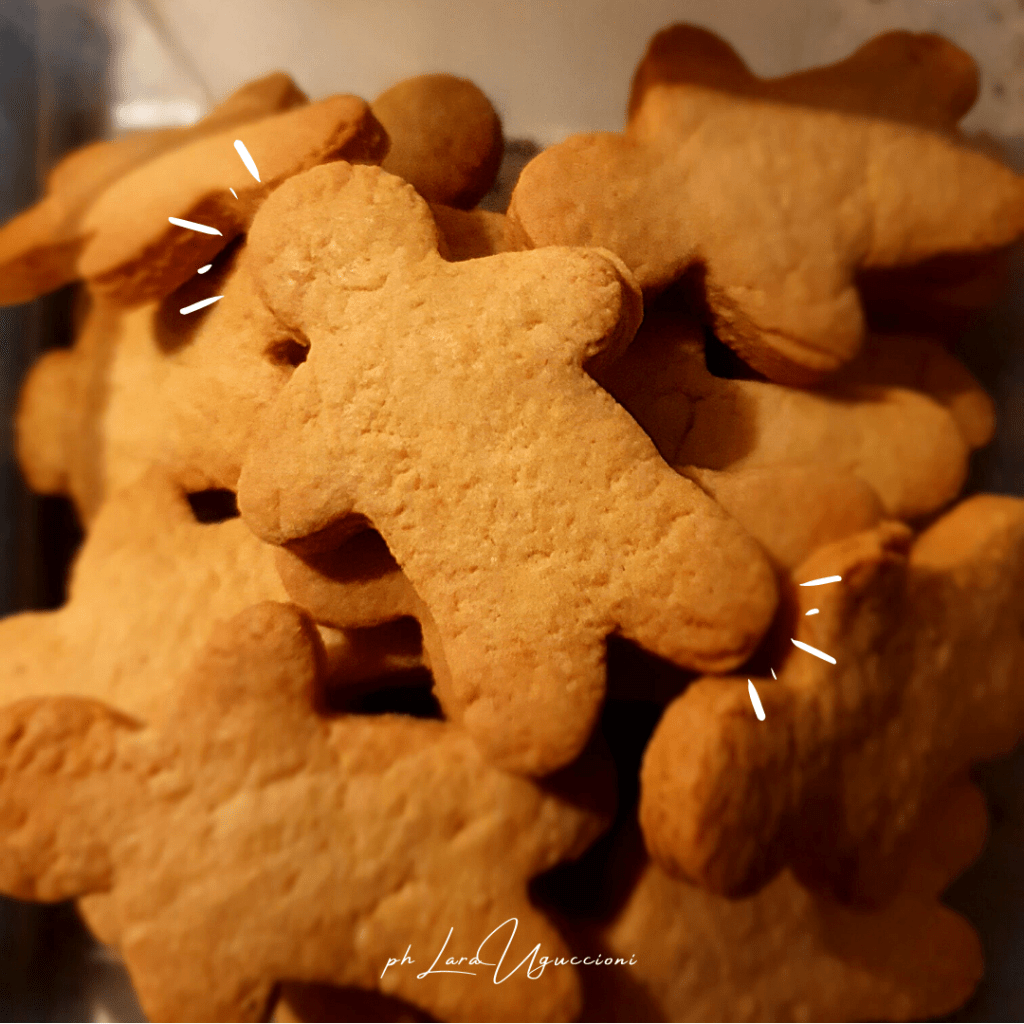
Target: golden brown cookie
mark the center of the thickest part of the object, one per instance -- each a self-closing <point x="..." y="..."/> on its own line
<point x="151" y="386"/>
<point x="867" y="423"/>
<point x="792" y="509"/>
<point x="919" y="78"/>
<point x="134" y="254"/>
<point x="447" y="405"/>
<point x="915" y="78"/>
<point x="362" y="669"/>
<point x="470" y="234"/>
<point x="331" y="586"/>
<point x="156" y="385"/>
<point x="243" y="838"/>
<point x="148" y="586"/>
<point x="39" y="248"/>
<point x="788" y="954"/>
<point x="924" y="655"/>
<point x="59" y="431"/>
<point x="186" y="389"/>
<point x="445" y="136"/>
<point x="776" y="208"/>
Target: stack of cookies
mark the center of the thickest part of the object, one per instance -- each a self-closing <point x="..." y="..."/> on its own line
<point x="558" y="614"/>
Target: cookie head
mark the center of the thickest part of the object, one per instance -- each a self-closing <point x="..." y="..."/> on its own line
<point x="336" y="234"/>
<point x="445" y="138"/>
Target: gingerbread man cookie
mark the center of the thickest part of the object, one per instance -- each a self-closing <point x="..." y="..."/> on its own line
<point x="787" y="953"/>
<point x="135" y="254"/>
<point x="775" y="206"/>
<point x="903" y="426"/>
<point x="148" y="586"/>
<point x="244" y="837"/>
<point x="39" y="248"/>
<point x="898" y="677"/>
<point x="528" y="511"/>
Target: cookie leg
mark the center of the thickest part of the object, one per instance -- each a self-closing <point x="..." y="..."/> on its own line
<point x="531" y="705"/>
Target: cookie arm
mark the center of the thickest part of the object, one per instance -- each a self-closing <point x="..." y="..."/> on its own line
<point x="582" y="302"/>
<point x="284" y="470"/>
<point x="918" y="78"/>
<point x="955" y="201"/>
<point x="715" y="786"/>
<point x="58" y="764"/>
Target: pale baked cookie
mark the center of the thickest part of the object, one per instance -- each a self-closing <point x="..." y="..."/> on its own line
<point x="776" y="206"/>
<point x="901" y="419"/>
<point x="39" y="248"/>
<point x="243" y="839"/>
<point x="918" y="78"/>
<point x="927" y="640"/>
<point x="134" y="254"/>
<point x="681" y="953"/>
<point x="446" y="404"/>
<point x="154" y="385"/>
<point x="149" y="584"/>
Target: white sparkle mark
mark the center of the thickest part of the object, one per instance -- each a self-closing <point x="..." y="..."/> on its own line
<point x="814" y="650"/>
<point x="824" y="579"/>
<point x="246" y="159"/>
<point x="201" y="304"/>
<point x="193" y="226"/>
<point x="774" y="676"/>
<point x="756" y="701"/>
<point x="813" y="611"/>
<point x="233" y="192"/>
<point x="203" y="270"/>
